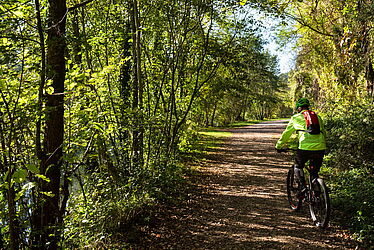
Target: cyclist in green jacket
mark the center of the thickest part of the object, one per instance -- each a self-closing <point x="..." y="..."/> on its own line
<point x="312" y="144"/>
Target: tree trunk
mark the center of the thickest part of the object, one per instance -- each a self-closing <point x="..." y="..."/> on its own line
<point x="137" y="86"/>
<point x="12" y="213"/>
<point x="206" y="117"/>
<point x="77" y="45"/>
<point x="1" y="241"/>
<point x="213" y="115"/>
<point x="125" y="71"/>
<point x="46" y="230"/>
<point x="42" y="80"/>
<point x="370" y="79"/>
<point x="5" y="167"/>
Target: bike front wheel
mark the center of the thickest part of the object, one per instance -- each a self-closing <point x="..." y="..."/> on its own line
<point x="292" y="191"/>
<point x="319" y="205"/>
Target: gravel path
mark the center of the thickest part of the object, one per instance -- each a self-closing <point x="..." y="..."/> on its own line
<point x="240" y="202"/>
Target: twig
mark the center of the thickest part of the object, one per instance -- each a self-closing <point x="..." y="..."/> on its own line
<point x="79" y="5"/>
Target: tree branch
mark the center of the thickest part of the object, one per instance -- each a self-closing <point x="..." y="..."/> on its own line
<point x="79" y="5"/>
<point x="15" y="37"/>
<point x="303" y="23"/>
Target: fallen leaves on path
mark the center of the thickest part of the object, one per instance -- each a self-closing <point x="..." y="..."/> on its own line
<point x="239" y="202"/>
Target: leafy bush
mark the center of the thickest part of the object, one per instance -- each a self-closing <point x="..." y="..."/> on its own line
<point x="350" y="161"/>
<point x="352" y="195"/>
<point x="104" y="209"/>
<point x="351" y="137"/>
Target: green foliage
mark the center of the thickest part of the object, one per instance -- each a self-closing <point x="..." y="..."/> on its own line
<point x="334" y="61"/>
<point x="103" y="209"/>
<point x="246" y="85"/>
<point x="334" y="69"/>
<point x="199" y="65"/>
<point x="350" y="160"/>
<point x="353" y="199"/>
<point x="350" y="136"/>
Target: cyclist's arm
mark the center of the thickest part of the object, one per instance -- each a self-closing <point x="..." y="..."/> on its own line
<point x="286" y="134"/>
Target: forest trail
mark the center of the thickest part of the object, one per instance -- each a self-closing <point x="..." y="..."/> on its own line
<point x="240" y="202"/>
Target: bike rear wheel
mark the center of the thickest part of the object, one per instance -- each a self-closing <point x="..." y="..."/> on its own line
<point x="319" y="205"/>
<point x="292" y="191"/>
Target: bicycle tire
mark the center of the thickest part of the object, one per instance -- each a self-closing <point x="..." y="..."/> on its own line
<point x="292" y="191"/>
<point x="319" y="205"/>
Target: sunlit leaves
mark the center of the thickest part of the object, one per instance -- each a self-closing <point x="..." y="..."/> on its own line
<point x="336" y="51"/>
<point x="33" y="168"/>
<point x="184" y="45"/>
<point x="42" y="177"/>
<point x="335" y="68"/>
<point x="19" y="176"/>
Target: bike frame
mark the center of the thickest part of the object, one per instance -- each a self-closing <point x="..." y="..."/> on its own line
<point x="317" y="199"/>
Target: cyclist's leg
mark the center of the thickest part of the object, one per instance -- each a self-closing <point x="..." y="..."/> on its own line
<point x="316" y="158"/>
<point x="300" y="159"/>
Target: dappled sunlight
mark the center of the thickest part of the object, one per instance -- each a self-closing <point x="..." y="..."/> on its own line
<point x="242" y="202"/>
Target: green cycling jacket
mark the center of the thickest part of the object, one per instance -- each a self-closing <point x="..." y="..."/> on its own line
<point x="306" y="141"/>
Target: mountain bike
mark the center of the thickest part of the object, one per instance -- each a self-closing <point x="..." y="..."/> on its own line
<point x="316" y="195"/>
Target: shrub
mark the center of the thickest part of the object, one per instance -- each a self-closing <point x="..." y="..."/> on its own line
<point x="350" y="159"/>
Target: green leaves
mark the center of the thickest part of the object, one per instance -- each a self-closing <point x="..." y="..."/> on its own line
<point x="19" y="176"/>
<point x="43" y="177"/>
<point x="350" y="126"/>
<point x="188" y="51"/>
<point x="32" y="168"/>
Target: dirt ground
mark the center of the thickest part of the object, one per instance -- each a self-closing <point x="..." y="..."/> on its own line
<point x="240" y="202"/>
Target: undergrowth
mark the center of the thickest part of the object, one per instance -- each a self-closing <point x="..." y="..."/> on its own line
<point x="350" y="168"/>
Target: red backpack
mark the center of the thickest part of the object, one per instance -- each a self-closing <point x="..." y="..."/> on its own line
<point x="312" y="123"/>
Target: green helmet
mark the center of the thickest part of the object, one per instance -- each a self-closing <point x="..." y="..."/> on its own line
<point x="302" y="102"/>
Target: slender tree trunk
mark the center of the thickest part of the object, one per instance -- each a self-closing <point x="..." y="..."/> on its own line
<point x="137" y="92"/>
<point x="206" y="117"/>
<point x="12" y="213"/>
<point x="213" y="115"/>
<point x="125" y="72"/>
<point x="39" y="152"/>
<point x="140" y="84"/>
<point x="135" y="87"/>
<point x="1" y="241"/>
<point x="3" y="163"/>
<point x="77" y="45"/>
<point x="46" y="230"/>
<point x="10" y="193"/>
<point x="370" y="79"/>
<point x="125" y="92"/>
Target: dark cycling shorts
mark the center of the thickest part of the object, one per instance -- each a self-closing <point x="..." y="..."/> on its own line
<point x="315" y="157"/>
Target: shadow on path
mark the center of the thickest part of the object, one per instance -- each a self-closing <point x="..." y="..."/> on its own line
<point x="240" y="202"/>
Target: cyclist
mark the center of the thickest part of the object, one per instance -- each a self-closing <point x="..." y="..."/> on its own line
<point x="312" y="144"/>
